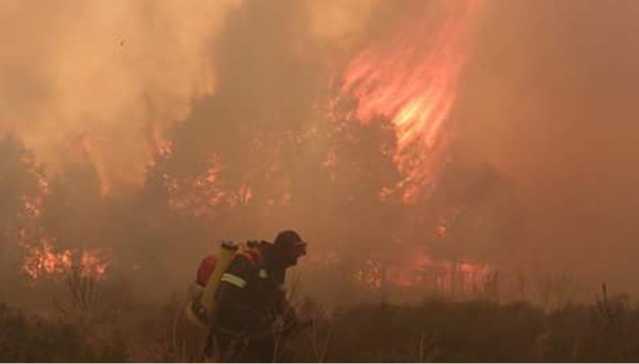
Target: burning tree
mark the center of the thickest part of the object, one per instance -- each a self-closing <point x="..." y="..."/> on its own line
<point x="272" y="149"/>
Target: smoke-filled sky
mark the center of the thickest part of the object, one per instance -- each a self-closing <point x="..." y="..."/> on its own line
<point x="109" y="74"/>
<point x="545" y="100"/>
<point x="549" y="101"/>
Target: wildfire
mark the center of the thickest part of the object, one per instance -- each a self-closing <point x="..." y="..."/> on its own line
<point x="41" y="257"/>
<point x="34" y="204"/>
<point x="201" y="194"/>
<point x="423" y="272"/>
<point x="94" y="264"/>
<point x="412" y="81"/>
<point x="44" y="260"/>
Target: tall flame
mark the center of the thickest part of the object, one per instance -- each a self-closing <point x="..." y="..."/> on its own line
<point x="412" y="81"/>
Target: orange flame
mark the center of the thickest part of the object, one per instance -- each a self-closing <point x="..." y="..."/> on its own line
<point x="203" y="194"/>
<point x="413" y="82"/>
<point x="41" y="257"/>
<point x="423" y="272"/>
<point x="43" y="260"/>
<point x="94" y="264"/>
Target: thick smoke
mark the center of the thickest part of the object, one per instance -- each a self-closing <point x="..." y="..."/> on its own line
<point x="548" y="103"/>
<point x="104" y="79"/>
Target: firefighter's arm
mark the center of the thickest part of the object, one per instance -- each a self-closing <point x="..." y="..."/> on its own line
<point x="286" y="310"/>
<point x="232" y="300"/>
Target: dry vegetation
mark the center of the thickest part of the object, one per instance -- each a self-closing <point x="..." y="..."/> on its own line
<point x="437" y="329"/>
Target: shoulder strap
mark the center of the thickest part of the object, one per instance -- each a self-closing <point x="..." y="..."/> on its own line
<point x="252" y="255"/>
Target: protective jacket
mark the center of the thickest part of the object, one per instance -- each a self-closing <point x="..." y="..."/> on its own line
<point x="251" y="294"/>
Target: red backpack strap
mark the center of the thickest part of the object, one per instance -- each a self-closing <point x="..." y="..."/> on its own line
<point x="252" y="256"/>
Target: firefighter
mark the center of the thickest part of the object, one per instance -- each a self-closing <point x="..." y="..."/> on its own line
<point x="251" y="298"/>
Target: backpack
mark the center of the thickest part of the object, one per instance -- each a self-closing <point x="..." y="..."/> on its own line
<point x="201" y="308"/>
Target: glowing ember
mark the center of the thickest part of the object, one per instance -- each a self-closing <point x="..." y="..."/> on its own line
<point x="413" y="83"/>
<point x="93" y="264"/>
<point x="203" y="194"/>
<point x="43" y="260"/>
<point x="159" y="146"/>
<point x="422" y="272"/>
<point x="34" y="202"/>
